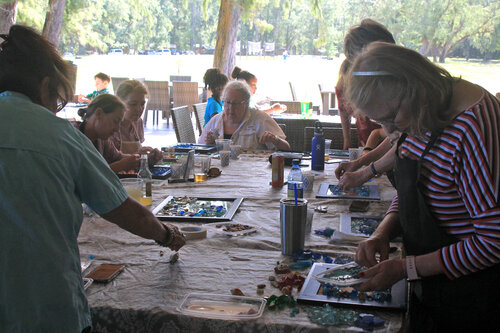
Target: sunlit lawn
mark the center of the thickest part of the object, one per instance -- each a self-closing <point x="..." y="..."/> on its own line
<point x="305" y="72"/>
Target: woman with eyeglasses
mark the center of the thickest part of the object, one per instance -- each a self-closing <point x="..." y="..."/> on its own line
<point x="102" y="118"/>
<point x="47" y="170"/>
<point x="245" y="126"/>
<point x="447" y="175"/>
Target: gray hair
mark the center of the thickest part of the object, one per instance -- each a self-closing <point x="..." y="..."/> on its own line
<point x="240" y="86"/>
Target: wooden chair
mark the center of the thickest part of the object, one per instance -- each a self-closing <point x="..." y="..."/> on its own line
<point x="116" y="81"/>
<point x="182" y="78"/>
<point x="185" y="93"/>
<point x="327" y="101"/>
<point x="291" y="106"/>
<point x="199" y="113"/>
<point x="159" y="100"/>
<point x="182" y="124"/>
<point x="333" y="133"/>
<point x="292" y="90"/>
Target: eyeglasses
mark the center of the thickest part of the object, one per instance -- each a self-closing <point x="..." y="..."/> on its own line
<point x="228" y="103"/>
<point x="60" y="106"/>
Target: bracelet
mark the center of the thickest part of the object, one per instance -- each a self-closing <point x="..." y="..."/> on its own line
<point x="170" y="237"/>
<point x="411" y="269"/>
<point x="372" y="168"/>
<point x="367" y="149"/>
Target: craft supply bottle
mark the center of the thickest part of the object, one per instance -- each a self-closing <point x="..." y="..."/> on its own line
<point x="318" y="148"/>
<point x="147" y="179"/>
<point x="278" y="168"/>
<point x="295" y="180"/>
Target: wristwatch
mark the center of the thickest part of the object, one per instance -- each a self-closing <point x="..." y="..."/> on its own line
<point x="411" y="269"/>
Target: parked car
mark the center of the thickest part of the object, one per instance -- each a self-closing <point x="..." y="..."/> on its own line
<point x="115" y="51"/>
<point x="149" y="52"/>
<point x="189" y="52"/>
<point x="175" y="51"/>
<point x="164" y="52"/>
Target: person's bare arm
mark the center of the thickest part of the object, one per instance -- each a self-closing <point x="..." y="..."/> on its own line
<point x="135" y="218"/>
<point x="345" y="120"/>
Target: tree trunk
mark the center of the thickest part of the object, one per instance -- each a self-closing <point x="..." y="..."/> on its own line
<point x="227" y="30"/>
<point x="8" y="13"/>
<point x="53" y="21"/>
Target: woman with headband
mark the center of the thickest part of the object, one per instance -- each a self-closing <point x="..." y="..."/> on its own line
<point x="447" y="176"/>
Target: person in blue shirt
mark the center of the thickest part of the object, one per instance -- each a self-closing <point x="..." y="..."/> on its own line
<point x="214" y="80"/>
<point x="48" y="169"/>
<point x="101" y="84"/>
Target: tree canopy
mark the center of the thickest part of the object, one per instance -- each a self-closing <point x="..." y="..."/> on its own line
<point x="434" y="27"/>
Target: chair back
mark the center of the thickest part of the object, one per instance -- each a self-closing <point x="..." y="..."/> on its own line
<point x="292" y="90"/>
<point x="199" y="113"/>
<point x="159" y="96"/>
<point x="182" y="78"/>
<point x="185" y="93"/>
<point x="116" y="81"/>
<point x="333" y="133"/>
<point x="181" y="117"/>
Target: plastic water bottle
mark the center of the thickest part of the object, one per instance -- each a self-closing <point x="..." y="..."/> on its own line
<point x="318" y="148"/>
<point x="147" y="178"/>
<point x="295" y="180"/>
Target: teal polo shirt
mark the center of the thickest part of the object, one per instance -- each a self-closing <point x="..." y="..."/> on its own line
<point x="47" y="169"/>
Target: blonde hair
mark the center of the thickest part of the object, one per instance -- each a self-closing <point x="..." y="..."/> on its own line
<point x="129" y="86"/>
<point x="404" y="77"/>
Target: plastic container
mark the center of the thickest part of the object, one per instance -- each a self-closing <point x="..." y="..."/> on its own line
<point x="318" y="148"/>
<point x="295" y="179"/>
<point x="222" y="306"/>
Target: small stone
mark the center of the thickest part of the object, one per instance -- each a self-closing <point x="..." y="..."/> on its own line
<point x="237" y="292"/>
<point x="261" y="286"/>
<point x="282" y="269"/>
<point x="287" y="290"/>
<point x="272" y="278"/>
<point x="260" y="291"/>
<point x="174" y="257"/>
<point x="252" y="311"/>
<point x="161" y="253"/>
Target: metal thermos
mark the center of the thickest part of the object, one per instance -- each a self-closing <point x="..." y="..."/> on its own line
<point x="318" y="148"/>
<point x="292" y="225"/>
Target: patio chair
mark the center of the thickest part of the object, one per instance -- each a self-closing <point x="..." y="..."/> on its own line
<point x="291" y="106"/>
<point x="159" y="100"/>
<point x="183" y="125"/>
<point x="292" y="90"/>
<point x="332" y="133"/>
<point x="116" y="81"/>
<point x="182" y="78"/>
<point x="199" y="113"/>
<point x="185" y="93"/>
<point x="327" y="101"/>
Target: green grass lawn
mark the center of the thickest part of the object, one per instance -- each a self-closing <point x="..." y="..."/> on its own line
<point x="305" y="72"/>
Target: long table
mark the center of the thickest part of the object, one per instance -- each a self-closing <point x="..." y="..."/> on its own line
<point x="145" y="296"/>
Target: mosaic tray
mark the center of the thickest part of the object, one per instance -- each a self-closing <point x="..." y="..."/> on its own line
<point x="198" y="148"/>
<point x="312" y="291"/>
<point x="191" y="209"/>
<point x="359" y="225"/>
<point x="364" y="192"/>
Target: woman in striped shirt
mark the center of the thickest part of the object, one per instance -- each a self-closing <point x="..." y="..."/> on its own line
<point x="447" y="178"/>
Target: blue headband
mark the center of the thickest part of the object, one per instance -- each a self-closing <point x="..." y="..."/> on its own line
<point x="372" y="73"/>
